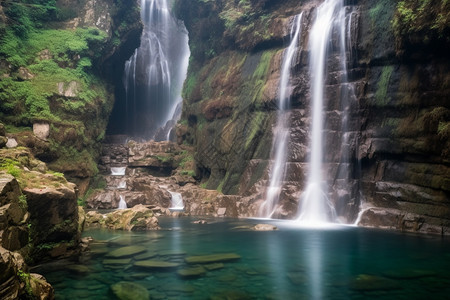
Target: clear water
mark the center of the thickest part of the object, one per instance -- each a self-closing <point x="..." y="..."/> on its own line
<point x="290" y="263"/>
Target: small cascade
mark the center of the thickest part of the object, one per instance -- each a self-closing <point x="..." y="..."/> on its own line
<point x="315" y="207"/>
<point x="281" y="132"/>
<point x="122" y="203"/>
<point x="154" y="75"/>
<point x="118" y="171"/>
<point x="122" y="185"/>
<point x="176" y="202"/>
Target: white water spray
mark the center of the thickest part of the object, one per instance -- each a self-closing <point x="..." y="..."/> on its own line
<point x="281" y="133"/>
<point x="315" y="205"/>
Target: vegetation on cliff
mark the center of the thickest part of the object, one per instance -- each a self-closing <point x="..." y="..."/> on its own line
<point x="423" y="23"/>
<point x="50" y="74"/>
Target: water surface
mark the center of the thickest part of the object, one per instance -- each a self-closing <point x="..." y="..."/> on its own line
<point x="290" y="263"/>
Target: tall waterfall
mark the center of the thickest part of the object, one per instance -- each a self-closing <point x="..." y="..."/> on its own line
<point x="154" y="75"/>
<point x="315" y="206"/>
<point x="281" y="133"/>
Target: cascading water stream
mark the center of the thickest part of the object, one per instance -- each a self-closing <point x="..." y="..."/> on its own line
<point x="176" y="202"/>
<point x="281" y="133"/>
<point x="154" y="75"/>
<point x="122" y="203"/>
<point x="315" y="206"/>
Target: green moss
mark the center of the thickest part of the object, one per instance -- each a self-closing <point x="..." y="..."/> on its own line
<point x="10" y="166"/>
<point x="255" y="128"/>
<point x="429" y="20"/>
<point x="25" y="278"/>
<point x="382" y="86"/>
<point x="23" y="201"/>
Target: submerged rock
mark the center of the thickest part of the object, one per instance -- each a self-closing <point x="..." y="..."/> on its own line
<point x="156" y="264"/>
<point x="125" y="290"/>
<point x="122" y="261"/>
<point x="126" y="251"/>
<point x="214" y="266"/>
<point x="191" y="272"/>
<point x="212" y="258"/>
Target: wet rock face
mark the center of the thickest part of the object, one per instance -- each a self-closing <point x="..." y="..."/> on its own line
<point x="395" y="153"/>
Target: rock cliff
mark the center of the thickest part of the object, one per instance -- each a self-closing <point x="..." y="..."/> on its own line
<point x="397" y="136"/>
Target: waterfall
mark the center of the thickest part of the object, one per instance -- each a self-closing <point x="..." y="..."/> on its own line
<point x="122" y="203"/>
<point x="154" y="75"/>
<point x="176" y="202"/>
<point x="315" y="206"/>
<point x="281" y="132"/>
<point x="118" y="171"/>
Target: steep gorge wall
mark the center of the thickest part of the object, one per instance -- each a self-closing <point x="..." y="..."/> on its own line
<point x="398" y="124"/>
